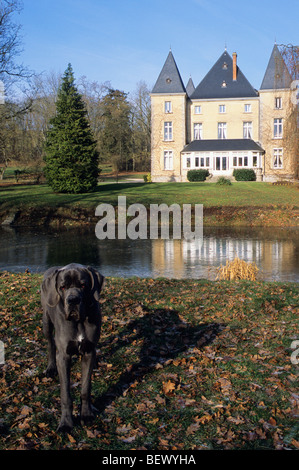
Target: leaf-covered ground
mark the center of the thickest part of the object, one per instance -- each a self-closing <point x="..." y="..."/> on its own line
<point x="182" y="364"/>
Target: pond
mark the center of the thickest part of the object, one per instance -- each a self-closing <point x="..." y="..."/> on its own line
<point x="275" y="251"/>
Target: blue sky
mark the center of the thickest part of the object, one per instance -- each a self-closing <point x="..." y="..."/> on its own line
<point x="125" y="41"/>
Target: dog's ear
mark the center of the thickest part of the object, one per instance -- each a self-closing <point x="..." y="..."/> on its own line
<point x="49" y="289"/>
<point x="97" y="281"/>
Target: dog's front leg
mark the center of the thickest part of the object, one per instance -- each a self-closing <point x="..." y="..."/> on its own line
<point x="63" y="361"/>
<point x="88" y="362"/>
<point x="48" y="333"/>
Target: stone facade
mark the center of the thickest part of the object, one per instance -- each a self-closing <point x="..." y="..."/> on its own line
<point x="222" y="124"/>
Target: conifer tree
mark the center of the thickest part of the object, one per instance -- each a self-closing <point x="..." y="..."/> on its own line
<point x="70" y="150"/>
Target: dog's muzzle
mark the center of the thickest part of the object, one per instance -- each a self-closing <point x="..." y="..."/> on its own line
<point x="73" y="307"/>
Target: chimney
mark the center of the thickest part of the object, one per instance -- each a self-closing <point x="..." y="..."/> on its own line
<point x="234" y="66"/>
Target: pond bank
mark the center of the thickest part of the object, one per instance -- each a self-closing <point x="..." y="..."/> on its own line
<point x="75" y="216"/>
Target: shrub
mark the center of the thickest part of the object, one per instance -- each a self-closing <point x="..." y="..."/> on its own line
<point x="224" y="181"/>
<point x="197" y="175"/>
<point x="237" y="269"/>
<point x="147" y="178"/>
<point x="244" y="174"/>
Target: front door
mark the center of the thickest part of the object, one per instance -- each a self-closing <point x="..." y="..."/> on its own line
<point x="221" y="163"/>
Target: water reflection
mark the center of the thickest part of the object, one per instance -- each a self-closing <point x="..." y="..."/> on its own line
<point x="276" y="252"/>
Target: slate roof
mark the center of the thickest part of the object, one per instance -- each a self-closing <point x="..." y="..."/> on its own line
<point x="277" y="75"/>
<point x="190" y="87"/>
<point x="219" y="145"/>
<point x="169" y="80"/>
<point x="222" y="73"/>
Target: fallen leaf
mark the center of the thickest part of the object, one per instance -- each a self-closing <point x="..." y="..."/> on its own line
<point x="204" y="419"/>
<point x="71" y="439"/>
<point x="295" y="443"/>
<point x="128" y="439"/>
<point x="124" y="429"/>
<point x="168" y="387"/>
<point x="236" y="420"/>
<point x="192" y="428"/>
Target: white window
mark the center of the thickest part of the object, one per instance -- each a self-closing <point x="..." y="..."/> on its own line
<point x="168" y="160"/>
<point x="168" y="107"/>
<point x="187" y="160"/>
<point x="167" y="130"/>
<point x="247" y="108"/>
<point x="222" y="108"/>
<point x="278" y="103"/>
<point x="278" y="128"/>
<point x="277" y="158"/>
<point x="197" y="131"/>
<point x="240" y="161"/>
<point x="197" y="110"/>
<point x="255" y="160"/>
<point x="221" y="130"/>
<point x="201" y="161"/>
<point x="204" y="162"/>
<point x="247" y="130"/>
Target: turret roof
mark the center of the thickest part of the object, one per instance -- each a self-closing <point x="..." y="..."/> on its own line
<point x="277" y="74"/>
<point x="169" y="80"/>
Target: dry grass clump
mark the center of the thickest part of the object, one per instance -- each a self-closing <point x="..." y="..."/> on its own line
<point x="237" y="269"/>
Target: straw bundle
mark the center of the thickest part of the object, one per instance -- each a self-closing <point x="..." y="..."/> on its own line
<point x="237" y="269"/>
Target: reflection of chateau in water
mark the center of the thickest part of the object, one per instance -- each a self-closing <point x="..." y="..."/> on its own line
<point x="276" y="253"/>
<point x="181" y="258"/>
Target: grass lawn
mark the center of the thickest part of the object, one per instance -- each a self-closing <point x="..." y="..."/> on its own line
<point x="208" y="194"/>
<point x="183" y="364"/>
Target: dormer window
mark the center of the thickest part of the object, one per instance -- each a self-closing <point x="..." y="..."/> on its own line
<point x="223" y="84"/>
<point x="224" y="66"/>
<point x="168" y="80"/>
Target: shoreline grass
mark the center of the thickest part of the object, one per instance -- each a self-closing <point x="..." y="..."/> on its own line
<point x="182" y="364"/>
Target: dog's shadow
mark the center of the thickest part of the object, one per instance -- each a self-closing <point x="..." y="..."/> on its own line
<point x="164" y="336"/>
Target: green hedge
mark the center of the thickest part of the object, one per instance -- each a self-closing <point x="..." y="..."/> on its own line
<point x="244" y="174"/>
<point x="197" y="175"/>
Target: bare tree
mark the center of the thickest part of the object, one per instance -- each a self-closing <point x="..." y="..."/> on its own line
<point x="93" y="94"/>
<point x="141" y="127"/>
<point x="290" y="54"/>
<point x="10" y="43"/>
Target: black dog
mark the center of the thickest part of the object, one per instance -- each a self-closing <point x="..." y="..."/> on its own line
<point x="69" y="298"/>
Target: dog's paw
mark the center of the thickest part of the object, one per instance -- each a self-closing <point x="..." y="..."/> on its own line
<point x="87" y="414"/>
<point x="51" y="371"/>
<point x="65" y="425"/>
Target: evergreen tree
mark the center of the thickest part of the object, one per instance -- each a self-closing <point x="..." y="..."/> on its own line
<point x="70" y="151"/>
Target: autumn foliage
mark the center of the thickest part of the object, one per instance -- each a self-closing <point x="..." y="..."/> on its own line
<point x="182" y="364"/>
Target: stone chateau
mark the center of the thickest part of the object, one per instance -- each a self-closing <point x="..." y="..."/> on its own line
<point x="222" y="124"/>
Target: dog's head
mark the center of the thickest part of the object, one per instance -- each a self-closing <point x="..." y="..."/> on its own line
<point x="76" y="286"/>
